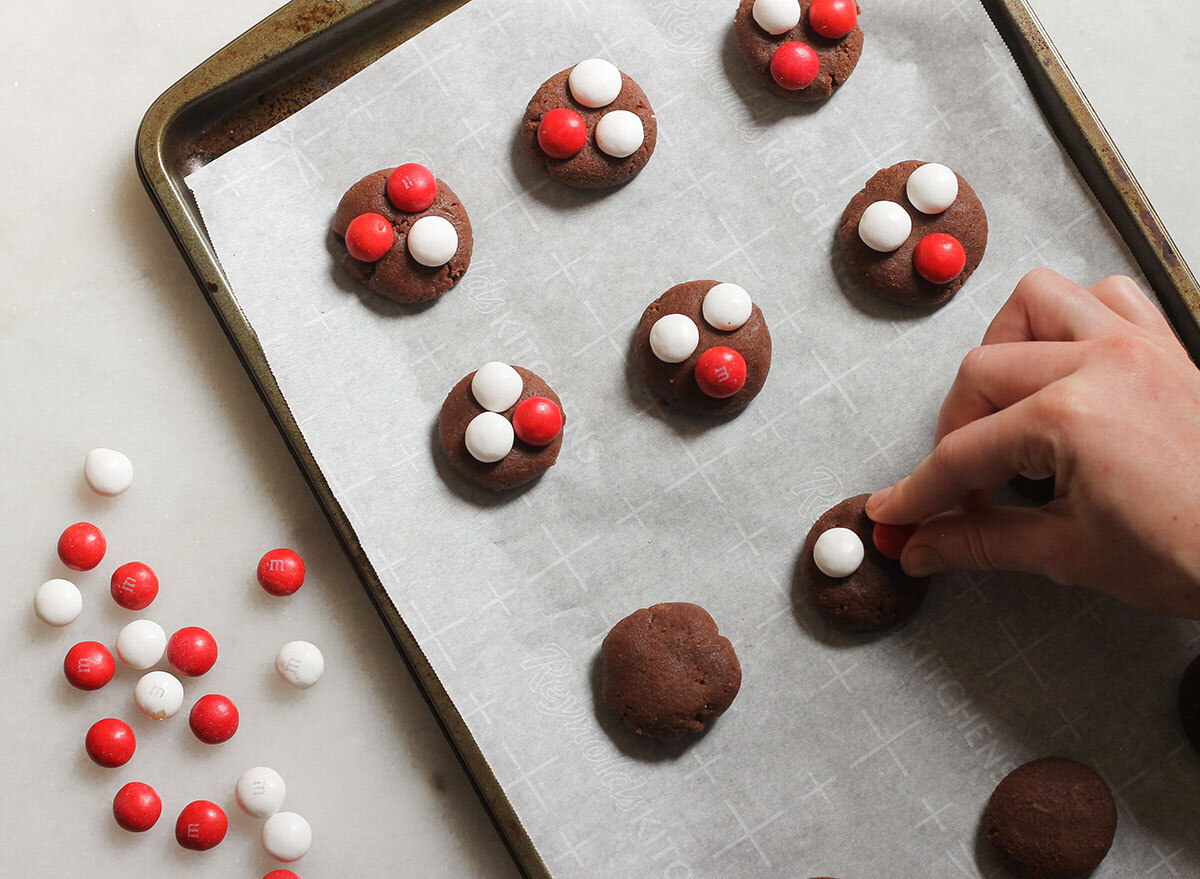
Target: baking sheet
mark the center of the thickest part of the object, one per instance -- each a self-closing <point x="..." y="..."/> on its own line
<point x="840" y="756"/>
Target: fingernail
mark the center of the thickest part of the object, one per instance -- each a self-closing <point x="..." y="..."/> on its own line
<point x="921" y="561"/>
<point x="878" y="499"/>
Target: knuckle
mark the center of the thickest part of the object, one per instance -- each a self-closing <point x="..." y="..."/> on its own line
<point x="1063" y="405"/>
<point x="1130" y="351"/>
<point x="1034" y="284"/>
<point x="972" y="364"/>
<point x="978" y="550"/>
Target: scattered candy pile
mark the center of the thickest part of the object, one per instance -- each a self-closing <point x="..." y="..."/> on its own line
<point x="158" y="694"/>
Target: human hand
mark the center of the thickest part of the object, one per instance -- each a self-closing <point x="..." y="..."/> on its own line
<point x="1088" y="384"/>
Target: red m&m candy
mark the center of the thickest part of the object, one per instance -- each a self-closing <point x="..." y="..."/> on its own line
<point x="537" y="421"/>
<point x="137" y="807"/>
<point x="721" y="372"/>
<point x="412" y="188"/>
<point x="561" y="133"/>
<point x="192" y="651"/>
<point x="110" y="742"/>
<point x="81" y="547"/>
<point x="214" y="719"/>
<point x="890" y="539"/>
<point x="833" y="18"/>
<point x="369" y="237"/>
<point x="134" y="585"/>
<point x="281" y="572"/>
<point x="281" y="874"/>
<point x="795" y="65"/>
<point x="200" y="826"/>
<point x="89" y="665"/>
<point x="939" y="258"/>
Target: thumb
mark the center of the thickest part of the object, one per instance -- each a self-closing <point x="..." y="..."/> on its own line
<point x="990" y="539"/>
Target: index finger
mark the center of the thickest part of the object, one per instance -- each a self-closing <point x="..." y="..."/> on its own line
<point x="1046" y="307"/>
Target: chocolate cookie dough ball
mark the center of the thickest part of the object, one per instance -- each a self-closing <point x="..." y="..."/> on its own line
<point x="914" y="234"/>
<point x="802" y="50"/>
<point x="851" y="583"/>
<point x="501" y="426"/>
<point x="704" y="348"/>
<point x="1052" y="819"/>
<point x="590" y="126"/>
<point x="667" y="671"/>
<point x="403" y="234"/>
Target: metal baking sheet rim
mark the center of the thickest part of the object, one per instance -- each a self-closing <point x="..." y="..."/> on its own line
<point x="1070" y="114"/>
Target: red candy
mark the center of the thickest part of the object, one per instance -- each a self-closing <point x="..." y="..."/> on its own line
<point x="890" y="539"/>
<point x="192" y="651"/>
<point x="81" y="547"/>
<point x="795" y="65"/>
<point x="537" y="421"/>
<point x="721" y="372"/>
<point x="110" y="742"/>
<point x="561" y="133"/>
<point x="281" y="874"/>
<point x="89" y="665"/>
<point x="939" y="258"/>
<point x="281" y="572"/>
<point x="137" y="807"/>
<point x="412" y="188"/>
<point x="833" y="18"/>
<point x="200" y="826"/>
<point x="214" y="719"/>
<point x="134" y="585"/>
<point x="369" y="237"/>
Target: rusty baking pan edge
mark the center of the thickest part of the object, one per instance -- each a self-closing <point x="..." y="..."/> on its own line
<point x="309" y="46"/>
<point x="275" y="37"/>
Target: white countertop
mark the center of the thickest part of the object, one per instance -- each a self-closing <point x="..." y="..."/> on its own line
<point x="106" y="341"/>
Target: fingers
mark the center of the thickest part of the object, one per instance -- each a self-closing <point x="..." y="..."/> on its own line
<point x="995" y="539"/>
<point x="1046" y="307"/>
<point x="1125" y="297"/>
<point x="979" y="456"/>
<point x="994" y="377"/>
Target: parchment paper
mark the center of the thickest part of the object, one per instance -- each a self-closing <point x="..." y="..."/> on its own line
<point x="848" y="757"/>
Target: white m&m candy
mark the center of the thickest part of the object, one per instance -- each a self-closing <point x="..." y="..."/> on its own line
<point x="108" y="473"/>
<point x="58" y="602"/>
<point x="838" y="552"/>
<point x="158" y="695"/>
<point x="932" y="188"/>
<point x="300" y="664"/>
<point x="776" y="16"/>
<point x="620" y="133"/>
<point x="286" y="836"/>
<point x="141" y="644"/>
<point x="726" y="307"/>
<point x="432" y="241"/>
<point x="674" y="337"/>
<point x="489" y="437"/>
<point x="260" y="792"/>
<point x="595" y="82"/>
<point x="497" y="386"/>
<point x="884" y="226"/>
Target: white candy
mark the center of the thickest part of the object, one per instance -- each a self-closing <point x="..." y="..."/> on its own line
<point x="726" y="306"/>
<point x="300" y="664"/>
<point x="595" y="82"/>
<point x="260" y="792"/>
<point x="58" y="602"/>
<point x="884" y="226"/>
<point x="932" y="188"/>
<point x="141" y="644"/>
<point x="107" y="472"/>
<point x="158" y="695"/>
<point x="497" y="386"/>
<point x="620" y="133"/>
<point x="489" y="437"/>
<point x="838" y="552"/>
<point x="674" y="337"/>
<point x="776" y="16"/>
<point x="432" y="241"/>
<point x="286" y="836"/>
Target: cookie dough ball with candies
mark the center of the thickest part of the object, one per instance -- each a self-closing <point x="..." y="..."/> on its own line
<point x="590" y="126"/>
<point x="914" y="233"/>
<point x="801" y="50"/>
<point x="501" y="426"/>
<point x="403" y="234"/>
<point x="704" y="348"/>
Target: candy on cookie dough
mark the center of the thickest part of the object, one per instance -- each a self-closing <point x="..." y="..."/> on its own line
<point x="802" y="50"/>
